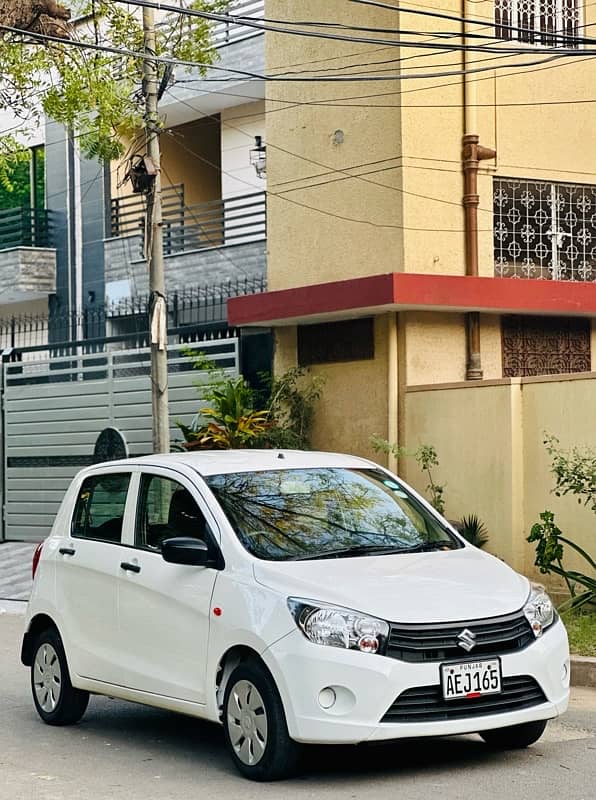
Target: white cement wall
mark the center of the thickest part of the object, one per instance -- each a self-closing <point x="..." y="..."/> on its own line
<point x="239" y="126"/>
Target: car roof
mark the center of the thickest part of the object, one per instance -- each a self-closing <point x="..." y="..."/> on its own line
<point x="215" y="462"/>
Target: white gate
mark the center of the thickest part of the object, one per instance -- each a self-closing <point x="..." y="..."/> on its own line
<point x="55" y="409"/>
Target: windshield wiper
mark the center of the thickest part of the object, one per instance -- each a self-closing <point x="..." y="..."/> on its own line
<point x="427" y="547"/>
<point x="346" y="552"/>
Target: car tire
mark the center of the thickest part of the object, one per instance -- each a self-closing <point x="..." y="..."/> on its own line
<point x="516" y="736"/>
<point x="255" y="725"/>
<point x="56" y="700"/>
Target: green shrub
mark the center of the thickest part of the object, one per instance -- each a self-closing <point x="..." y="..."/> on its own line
<point x="575" y="473"/>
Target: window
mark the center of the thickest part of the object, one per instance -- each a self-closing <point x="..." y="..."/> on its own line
<point x="283" y="515"/>
<point x="27" y="179"/>
<point x="544" y="230"/>
<point x="329" y="342"/>
<point x="545" y="346"/>
<point x="543" y="22"/>
<point x="166" y="510"/>
<point x="99" y="511"/>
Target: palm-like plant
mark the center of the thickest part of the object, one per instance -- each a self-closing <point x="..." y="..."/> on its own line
<point x="229" y="422"/>
<point x="473" y="530"/>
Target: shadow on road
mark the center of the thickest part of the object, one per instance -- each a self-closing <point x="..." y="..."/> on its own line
<point x="154" y="732"/>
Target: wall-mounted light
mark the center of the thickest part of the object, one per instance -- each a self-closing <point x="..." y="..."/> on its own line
<point x="258" y="157"/>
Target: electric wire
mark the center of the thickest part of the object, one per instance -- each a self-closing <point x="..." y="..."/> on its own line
<point x="265" y="23"/>
<point x="250" y="21"/>
<point x="282" y="196"/>
<point x="347" y="175"/>
<point x="554" y="54"/>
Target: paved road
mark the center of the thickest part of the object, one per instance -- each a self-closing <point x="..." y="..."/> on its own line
<point x="123" y="751"/>
<point x="15" y="570"/>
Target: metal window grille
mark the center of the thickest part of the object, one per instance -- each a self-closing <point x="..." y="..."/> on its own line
<point x="541" y="22"/>
<point x="544" y="230"/>
<point x="545" y="345"/>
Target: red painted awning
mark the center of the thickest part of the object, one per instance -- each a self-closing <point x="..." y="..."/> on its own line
<point x="403" y="291"/>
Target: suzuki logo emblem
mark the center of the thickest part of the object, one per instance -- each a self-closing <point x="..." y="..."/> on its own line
<point x="467" y="640"/>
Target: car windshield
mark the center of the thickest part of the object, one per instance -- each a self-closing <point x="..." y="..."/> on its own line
<point x="285" y="515"/>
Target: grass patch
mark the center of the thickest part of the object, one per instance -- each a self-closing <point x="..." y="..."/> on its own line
<point x="581" y="627"/>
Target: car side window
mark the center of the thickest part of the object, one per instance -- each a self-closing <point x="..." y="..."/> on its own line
<point x="99" y="510"/>
<point x="166" y="510"/>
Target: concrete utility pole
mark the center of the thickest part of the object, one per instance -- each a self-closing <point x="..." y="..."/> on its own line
<point x="154" y="238"/>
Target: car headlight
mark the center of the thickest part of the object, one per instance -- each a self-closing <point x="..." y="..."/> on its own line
<point x="339" y="627"/>
<point x="539" y="610"/>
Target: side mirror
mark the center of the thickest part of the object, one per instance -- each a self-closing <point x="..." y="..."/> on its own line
<point x="192" y="552"/>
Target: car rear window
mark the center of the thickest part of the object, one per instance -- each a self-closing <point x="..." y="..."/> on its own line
<point x="99" y="510"/>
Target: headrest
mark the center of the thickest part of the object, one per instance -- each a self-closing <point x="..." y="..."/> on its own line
<point x="184" y="515"/>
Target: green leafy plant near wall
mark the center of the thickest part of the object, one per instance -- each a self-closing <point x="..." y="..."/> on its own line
<point x="470" y="527"/>
<point x="229" y="422"/>
<point x="236" y="416"/>
<point x="575" y="474"/>
<point x="426" y="457"/>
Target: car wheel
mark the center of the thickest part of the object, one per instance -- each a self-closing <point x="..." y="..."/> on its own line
<point x="56" y="700"/>
<point x="255" y="725"/>
<point x="516" y="736"/>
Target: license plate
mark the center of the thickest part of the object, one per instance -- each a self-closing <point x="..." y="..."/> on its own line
<point x="471" y="679"/>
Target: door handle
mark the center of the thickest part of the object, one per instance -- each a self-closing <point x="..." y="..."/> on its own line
<point x="128" y="567"/>
<point x="67" y="551"/>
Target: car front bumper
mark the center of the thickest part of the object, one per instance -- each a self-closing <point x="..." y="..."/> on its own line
<point x="365" y="687"/>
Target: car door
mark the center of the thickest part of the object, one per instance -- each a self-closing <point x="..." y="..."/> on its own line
<point x="87" y="571"/>
<point x="164" y="608"/>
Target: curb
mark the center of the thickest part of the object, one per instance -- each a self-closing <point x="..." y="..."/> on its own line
<point x="583" y="671"/>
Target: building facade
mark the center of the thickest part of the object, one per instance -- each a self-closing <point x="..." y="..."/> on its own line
<point x="84" y="247"/>
<point x="432" y="240"/>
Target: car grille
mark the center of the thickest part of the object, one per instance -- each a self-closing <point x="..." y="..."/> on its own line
<point x="426" y="703"/>
<point x="438" y="642"/>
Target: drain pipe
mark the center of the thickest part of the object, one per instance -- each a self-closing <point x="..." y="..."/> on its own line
<point x="472" y="154"/>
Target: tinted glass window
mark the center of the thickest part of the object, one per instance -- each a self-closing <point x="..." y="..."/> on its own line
<point x="326" y="513"/>
<point x="166" y="510"/>
<point x="99" y="511"/>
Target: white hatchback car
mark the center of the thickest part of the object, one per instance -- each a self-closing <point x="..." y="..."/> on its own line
<point x="293" y="597"/>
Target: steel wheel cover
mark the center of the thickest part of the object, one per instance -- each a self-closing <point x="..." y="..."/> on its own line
<point x="47" y="678"/>
<point x="247" y="722"/>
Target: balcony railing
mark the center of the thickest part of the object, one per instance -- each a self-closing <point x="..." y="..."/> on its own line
<point x="194" y="314"/>
<point x="225" y="33"/>
<point x="234" y="220"/>
<point x="127" y="214"/>
<point x="24" y="227"/>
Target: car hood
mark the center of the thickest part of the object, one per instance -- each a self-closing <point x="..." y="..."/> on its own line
<point x="445" y="586"/>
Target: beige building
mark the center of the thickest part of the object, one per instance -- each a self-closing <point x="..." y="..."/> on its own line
<point x="432" y="240"/>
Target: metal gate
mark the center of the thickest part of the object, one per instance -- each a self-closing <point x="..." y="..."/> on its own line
<point x="55" y="410"/>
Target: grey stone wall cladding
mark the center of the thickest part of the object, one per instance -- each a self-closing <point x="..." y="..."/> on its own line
<point x="28" y="269"/>
<point x="184" y="270"/>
